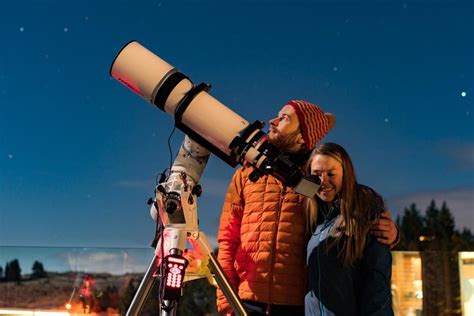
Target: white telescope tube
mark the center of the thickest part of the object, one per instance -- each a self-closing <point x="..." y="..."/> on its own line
<point x="147" y="75"/>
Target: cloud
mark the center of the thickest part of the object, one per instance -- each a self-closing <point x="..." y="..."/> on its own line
<point x="461" y="153"/>
<point x="105" y="260"/>
<point x="460" y="201"/>
<point x="114" y="261"/>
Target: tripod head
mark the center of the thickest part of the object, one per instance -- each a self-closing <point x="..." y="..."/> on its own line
<point x="175" y="195"/>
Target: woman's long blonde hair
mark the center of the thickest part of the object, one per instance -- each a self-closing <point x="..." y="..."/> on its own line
<point x="358" y="206"/>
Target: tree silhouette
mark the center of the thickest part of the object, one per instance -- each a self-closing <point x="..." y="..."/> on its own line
<point x="411" y="226"/>
<point x="199" y="299"/>
<point x="38" y="271"/>
<point x="108" y="298"/>
<point x="463" y="241"/>
<point x="127" y="296"/>
<point x="446" y="221"/>
<point x="13" y="271"/>
<point x="435" y="236"/>
<point x="7" y="267"/>
<point x="435" y="231"/>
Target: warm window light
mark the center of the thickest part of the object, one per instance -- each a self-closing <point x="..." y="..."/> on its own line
<point x="467" y="255"/>
<point x="415" y="261"/>
<point x="426" y="238"/>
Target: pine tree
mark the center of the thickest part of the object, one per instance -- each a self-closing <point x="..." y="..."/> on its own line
<point x="13" y="271"/>
<point x="463" y="241"/>
<point x="199" y="299"/>
<point x="127" y="297"/>
<point x="411" y="226"/>
<point x="446" y="222"/>
<point x="441" y="284"/>
<point x="432" y="231"/>
<point x="435" y="235"/>
<point x="38" y="271"/>
<point x="7" y="269"/>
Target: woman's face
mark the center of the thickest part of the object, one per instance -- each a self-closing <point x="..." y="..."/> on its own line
<point x="330" y="172"/>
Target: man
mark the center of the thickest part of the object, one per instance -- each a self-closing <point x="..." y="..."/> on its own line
<point x="262" y="232"/>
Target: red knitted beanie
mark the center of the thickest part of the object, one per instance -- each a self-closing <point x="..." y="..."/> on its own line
<point x="314" y="123"/>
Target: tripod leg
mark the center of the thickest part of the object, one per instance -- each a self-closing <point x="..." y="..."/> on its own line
<point x="224" y="285"/>
<point x="220" y="277"/>
<point x="168" y="309"/>
<point x="143" y="290"/>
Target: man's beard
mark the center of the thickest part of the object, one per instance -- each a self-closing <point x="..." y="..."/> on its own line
<point x="287" y="143"/>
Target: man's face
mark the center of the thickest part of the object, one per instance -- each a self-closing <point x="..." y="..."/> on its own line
<point x="330" y="172"/>
<point x="284" y="132"/>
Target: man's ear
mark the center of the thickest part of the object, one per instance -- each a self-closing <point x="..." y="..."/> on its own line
<point x="299" y="139"/>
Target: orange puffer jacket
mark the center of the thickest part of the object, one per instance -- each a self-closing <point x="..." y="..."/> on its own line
<point x="262" y="241"/>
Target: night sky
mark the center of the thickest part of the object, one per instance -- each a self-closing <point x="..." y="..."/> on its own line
<point x="79" y="152"/>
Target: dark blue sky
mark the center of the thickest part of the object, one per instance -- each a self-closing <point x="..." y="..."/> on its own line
<point x="79" y="152"/>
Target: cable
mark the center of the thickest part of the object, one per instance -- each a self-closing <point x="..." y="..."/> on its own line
<point x="169" y="146"/>
<point x="160" y="178"/>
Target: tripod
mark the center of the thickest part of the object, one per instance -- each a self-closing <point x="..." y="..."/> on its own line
<point x="169" y="306"/>
<point x="175" y="204"/>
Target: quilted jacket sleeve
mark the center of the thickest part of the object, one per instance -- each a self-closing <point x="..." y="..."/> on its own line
<point x="229" y="235"/>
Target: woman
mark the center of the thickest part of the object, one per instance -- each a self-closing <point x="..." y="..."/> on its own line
<point x="349" y="271"/>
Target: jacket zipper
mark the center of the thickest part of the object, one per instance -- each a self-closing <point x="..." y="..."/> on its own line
<point x="275" y="232"/>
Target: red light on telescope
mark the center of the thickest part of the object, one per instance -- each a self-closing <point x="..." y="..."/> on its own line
<point x="131" y="85"/>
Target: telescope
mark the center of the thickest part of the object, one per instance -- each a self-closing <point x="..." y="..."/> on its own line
<point x="204" y="119"/>
<point x="210" y="127"/>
